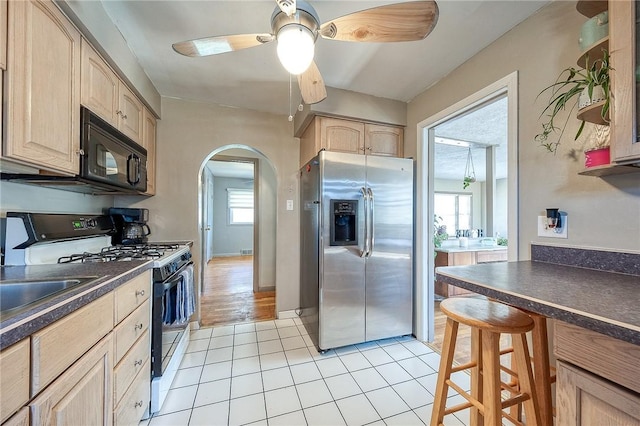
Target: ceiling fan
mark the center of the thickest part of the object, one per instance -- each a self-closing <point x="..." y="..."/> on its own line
<point x="296" y="26"/>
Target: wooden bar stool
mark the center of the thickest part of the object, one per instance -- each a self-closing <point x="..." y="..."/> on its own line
<point x="488" y="320"/>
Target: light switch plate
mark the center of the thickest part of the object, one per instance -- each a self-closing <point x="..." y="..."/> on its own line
<point x="289" y="204"/>
<point x="543" y="231"/>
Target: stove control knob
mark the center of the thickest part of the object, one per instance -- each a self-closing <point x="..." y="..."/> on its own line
<point x="186" y="256"/>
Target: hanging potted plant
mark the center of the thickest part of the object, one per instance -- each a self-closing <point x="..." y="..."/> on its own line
<point x="584" y="86"/>
<point x="469" y="172"/>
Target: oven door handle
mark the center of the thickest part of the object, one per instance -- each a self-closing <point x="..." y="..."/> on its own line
<point x="161" y="287"/>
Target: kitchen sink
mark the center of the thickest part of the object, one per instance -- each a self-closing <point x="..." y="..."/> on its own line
<point x="18" y="294"/>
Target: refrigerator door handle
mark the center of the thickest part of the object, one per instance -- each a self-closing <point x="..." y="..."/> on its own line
<point x="365" y="240"/>
<point x="372" y="229"/>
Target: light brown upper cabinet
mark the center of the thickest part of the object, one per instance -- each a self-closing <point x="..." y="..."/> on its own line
<point x="129" y="113"/>
<point x="624" y="36"/>
<point x="107" y="96"/>
<point x="43" y="87"/>
<point x="149" y="143"/>
<point x="3" y="34"/>
<point x="356" y="137"/>
<point x="99" y="85"/>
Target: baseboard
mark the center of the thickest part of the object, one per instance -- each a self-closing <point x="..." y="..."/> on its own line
<point x="287" y="314"/>
<point x="267" y="288"/>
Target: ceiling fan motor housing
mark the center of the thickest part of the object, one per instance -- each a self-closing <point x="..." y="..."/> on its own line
<point x="305" y="15"/>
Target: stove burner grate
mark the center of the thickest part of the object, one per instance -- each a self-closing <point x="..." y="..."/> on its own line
<point x="121" y="252"/>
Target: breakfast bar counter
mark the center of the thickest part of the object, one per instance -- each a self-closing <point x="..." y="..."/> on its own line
<point x="601" y="301"/>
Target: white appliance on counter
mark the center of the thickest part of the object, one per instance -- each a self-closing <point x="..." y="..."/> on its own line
<point x="356" y="273"/>
<point x="43" y="238"/>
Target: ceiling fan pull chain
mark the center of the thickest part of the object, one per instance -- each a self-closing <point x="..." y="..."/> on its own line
<point x="290" y="113"/>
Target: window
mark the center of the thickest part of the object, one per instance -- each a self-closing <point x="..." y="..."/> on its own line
<point x="454" y="209"/>
<point x="240" y="202"/>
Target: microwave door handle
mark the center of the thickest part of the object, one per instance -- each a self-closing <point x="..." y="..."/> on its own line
<point x="133" y="169"/>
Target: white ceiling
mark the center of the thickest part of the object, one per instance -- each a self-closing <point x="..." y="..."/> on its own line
<point x="253" y="78"/>
<point x="231" y="169"/>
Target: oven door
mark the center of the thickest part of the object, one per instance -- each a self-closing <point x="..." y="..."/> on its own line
<point x="165" y="332"/>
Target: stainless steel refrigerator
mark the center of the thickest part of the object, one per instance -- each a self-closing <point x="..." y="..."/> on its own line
<point x="356" y="266"/>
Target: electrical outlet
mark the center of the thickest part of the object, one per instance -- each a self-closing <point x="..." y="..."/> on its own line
<point x="289" y="204"/>
<point x="544" y="231"/>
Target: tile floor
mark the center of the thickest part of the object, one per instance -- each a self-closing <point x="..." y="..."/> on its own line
<point x="269" y="373"/>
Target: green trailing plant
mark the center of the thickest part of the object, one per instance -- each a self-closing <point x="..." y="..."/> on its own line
<point x="468" y="180"/>
<point x="567" y="88"/>
<point x="439" y="231"/>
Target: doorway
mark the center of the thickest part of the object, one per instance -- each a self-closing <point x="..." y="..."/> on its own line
<point x="238" y="238"/>
<point x="436" y="136"/>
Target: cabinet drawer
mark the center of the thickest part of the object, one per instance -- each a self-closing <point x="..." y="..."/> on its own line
<point x="130" y="366"/>
<point x="136" y="401"/>
<point x="56" y="347"/>
<point x="14" y="380"/>
<point x="131" y="295"/>
<point x="605" y="356"/>
<point x="491" y="256"/>
<point x="129" y="330"/>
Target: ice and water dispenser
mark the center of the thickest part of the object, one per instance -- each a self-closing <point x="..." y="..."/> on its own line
<point x="344" y="222"/>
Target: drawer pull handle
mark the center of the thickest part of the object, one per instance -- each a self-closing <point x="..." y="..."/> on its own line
<point x="139" y="292"/>
<point x="138" y="404"/>
<point x="139" y="326"/>
<point x="137" y="362"/>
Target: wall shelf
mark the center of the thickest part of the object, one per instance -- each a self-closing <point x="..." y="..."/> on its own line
<point x="593" y="114"/>
<point x="591" y="8"/>
<point x="594" y="52"/>
<point x="609" y="170"/>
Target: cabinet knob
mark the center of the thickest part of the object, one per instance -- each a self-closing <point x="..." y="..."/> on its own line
<point x="80" y="152"/>
<point x="139" y="292"/>
<point x="138" y="404"/>
<point x="137" y="362"/>
<point x="124" y="116"/>
<point x="118" y="112"/>
<point x="139" y="326"/>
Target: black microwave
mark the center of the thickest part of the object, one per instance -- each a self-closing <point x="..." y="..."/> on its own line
<point x="110" y="157"/>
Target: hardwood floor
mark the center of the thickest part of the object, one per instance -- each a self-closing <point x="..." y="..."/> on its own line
<point x="228" y="296"/>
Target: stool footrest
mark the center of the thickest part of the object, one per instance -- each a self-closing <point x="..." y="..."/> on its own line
<point x="463" y="367"/>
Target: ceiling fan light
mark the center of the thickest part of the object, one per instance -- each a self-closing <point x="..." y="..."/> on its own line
<point x="296" y="45"/>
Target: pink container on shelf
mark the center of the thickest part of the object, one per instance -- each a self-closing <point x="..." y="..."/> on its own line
<point x="597" y="157"/>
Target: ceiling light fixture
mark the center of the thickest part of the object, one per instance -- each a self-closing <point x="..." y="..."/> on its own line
<point x="296" y="47"/>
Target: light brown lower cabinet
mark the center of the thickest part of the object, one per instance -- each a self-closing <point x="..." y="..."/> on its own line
<point x="21" y="418"/>
<point x="584" y="399"/>
<point x="14" y="379"/>
<point x="82" y="395"/>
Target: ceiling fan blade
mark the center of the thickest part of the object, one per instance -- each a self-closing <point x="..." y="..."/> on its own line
<point x="407" y="21"/>
<point x="311" y="85"/>
<point x="221" y="44"/>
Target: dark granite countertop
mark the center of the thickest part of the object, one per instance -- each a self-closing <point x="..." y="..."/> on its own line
<point x="110" y="275"/>
<point x="605" y="302"/>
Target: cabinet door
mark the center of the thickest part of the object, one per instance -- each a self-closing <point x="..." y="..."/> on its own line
<point x="99" y="85"/>
<point x="341" y="135"/>
<point x="584" y="399"/>
<point x="3" y="34"/>
<point x="149" y="143"/>
<point x="82" y="395"/>
<point x="383" y="140"/>
<point x="625" y="85"/>
<point x="21" y="418"/>
<point x="129" y="114"/>
<point x="43" y="87"/>
<point x="14" y="380"/>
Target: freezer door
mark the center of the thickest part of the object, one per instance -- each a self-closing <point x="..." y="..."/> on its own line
<point x="309" y="246"/>
<point x="342" y="266"/>
<point x="389" y="268"/>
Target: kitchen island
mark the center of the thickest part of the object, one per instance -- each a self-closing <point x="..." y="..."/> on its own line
<point x="596" y="317"/>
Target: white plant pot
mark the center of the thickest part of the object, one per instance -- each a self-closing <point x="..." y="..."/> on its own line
<point x="596" y="96"/>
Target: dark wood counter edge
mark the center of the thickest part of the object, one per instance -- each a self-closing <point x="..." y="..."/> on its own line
<point x="36" y="321"/>
<point x="577" y="318"/>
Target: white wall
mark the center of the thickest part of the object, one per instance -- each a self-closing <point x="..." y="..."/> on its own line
<point x="188" y="134"/>
<point x="539" y="48"/>
<point x="229" y="240"/>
